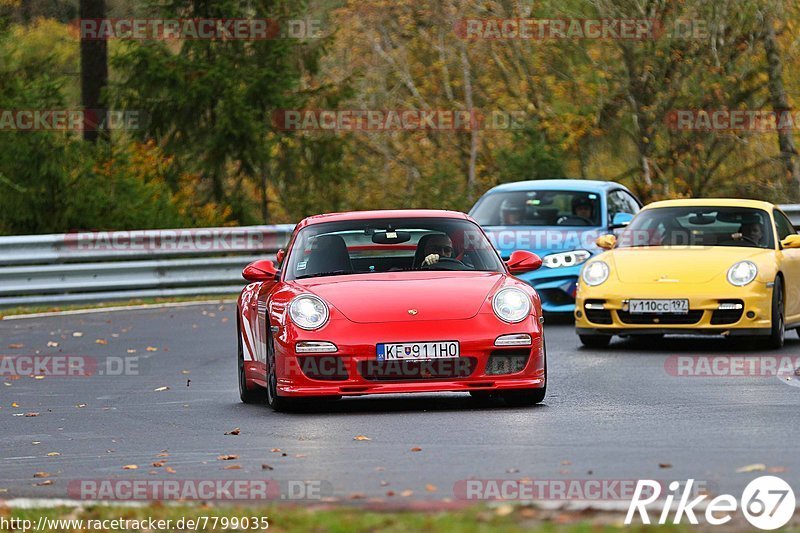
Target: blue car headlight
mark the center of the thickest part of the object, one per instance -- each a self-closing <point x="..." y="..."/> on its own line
<point x="566" y="259"/>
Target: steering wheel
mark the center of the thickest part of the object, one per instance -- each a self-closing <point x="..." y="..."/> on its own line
<point x="743" y="237"/>
<point x="446" y="263"/>
<point x="571" y="219"/>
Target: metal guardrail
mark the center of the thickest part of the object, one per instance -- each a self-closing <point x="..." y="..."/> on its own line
<point x="793" y="212"/>
<point x="106" y="266"/>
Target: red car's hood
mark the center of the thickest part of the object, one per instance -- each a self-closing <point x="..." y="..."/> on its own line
<point x="388" y="297"/>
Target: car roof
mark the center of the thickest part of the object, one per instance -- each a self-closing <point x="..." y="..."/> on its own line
<point x="558" y="184"/>
<point x="382" y="213"/>
<point x="712" y="202"/>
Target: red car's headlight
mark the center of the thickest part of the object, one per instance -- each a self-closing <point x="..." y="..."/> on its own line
<point x="308" y="312"/>
<point x="511" y="305"/>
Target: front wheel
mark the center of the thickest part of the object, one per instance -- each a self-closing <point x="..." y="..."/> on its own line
<point x="777" y="334"/>
<point x="595" y="341"/>
<point x="277" y="403"/>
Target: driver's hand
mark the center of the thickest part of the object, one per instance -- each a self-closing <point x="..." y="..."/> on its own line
<point x="431" y="259"/>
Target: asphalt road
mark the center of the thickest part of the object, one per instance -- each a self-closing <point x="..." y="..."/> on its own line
<point x="614" y="414"/>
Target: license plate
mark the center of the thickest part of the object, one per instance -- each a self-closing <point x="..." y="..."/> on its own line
<point x="668" y="307"/>
<point x="417" y="351"/>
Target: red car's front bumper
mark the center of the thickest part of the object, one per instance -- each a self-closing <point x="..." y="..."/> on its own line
<point x="354" y="370"/>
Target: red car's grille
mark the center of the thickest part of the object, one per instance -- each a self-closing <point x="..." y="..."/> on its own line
<point x="461" y="367"/>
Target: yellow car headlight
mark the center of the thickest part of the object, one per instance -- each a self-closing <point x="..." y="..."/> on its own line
<point x="595" y="273"/>
<point x="742" y="273"/>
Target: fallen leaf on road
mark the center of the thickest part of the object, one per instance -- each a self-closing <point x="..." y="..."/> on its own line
<point x="233" y="467"/>
<point x="77" y="334"/>
<point x="407" y="493"/>
<point x="14" y="404"/>
<point x="16" y="346"/>
<point x="361" y="437"/>
<point x="30" y="415"/>
<point x="384" y="483"/>
<point x="100" y="341"/>
<point x="38" y="377"/>
<point x="416" y="449"/>
<point x="390" y="493"/>
<point x="565" y="462"/>
<point x="53" y="454"/>
<point x="185" y="372"/>
<point x="664" y="465"/>
<point x="227" y="457"/>
<point x="81" y="405"/>
<point x="159" y="464"/>
<point x="41" y="474"/>
<point x="300" y="456"/>
<point x="52" y="344"/>
<point x="234" y="431"/>
<point x="357" y="496"/>
<point x="266" y="467"/>
<point x="151" y="349"/>
<point x="35" y="442"/>
<point x="275" y="450"/>
<point x="162" y="454"/>
<point x="161" y="389"/>
<point x="131" y="350"/>
<point x="170" y="470"/>
<point x="130" y="467"/>
<point x="431" y="488"/>
<point x="512" y="470"/>
<point x="776" y="469"/>
<point x="504" y="510"/>
<point x="44" y="483"/>
<point x="758" y="467"/>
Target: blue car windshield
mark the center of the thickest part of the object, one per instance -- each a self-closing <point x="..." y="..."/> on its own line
<point x="538" y="208"/>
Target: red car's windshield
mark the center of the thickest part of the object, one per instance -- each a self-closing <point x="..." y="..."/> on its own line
<point x="390" y="245"/>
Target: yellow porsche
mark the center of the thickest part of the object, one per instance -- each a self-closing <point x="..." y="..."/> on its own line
<point x="704" y="266"/>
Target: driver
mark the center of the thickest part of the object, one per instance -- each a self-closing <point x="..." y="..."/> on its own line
<point x="438" y="246"/>
<point x="583" y="207"/>
<point x="752" y="231"/>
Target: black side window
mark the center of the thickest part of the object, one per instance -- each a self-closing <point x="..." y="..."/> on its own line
<point x="783" y="224"/>
<point x="621" y="202"/>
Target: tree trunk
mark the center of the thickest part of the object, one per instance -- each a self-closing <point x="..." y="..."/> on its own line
<point x="780" y="105"/>
<point x="473" y="149"/>
<point x="94" y="75"/>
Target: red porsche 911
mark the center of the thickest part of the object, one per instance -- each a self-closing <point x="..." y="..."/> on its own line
<point x="385" y="302"/>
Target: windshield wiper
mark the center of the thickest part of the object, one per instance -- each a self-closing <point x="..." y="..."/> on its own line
<point x="323" y="274"/>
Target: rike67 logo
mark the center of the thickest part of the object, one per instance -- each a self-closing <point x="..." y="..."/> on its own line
<point x="767" y="503"/>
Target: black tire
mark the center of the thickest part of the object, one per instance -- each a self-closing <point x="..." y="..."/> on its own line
<point x="777" y="334"/>
<point x="595" y="341"/>
<point x="255" y="395"/>
<point x="524" y="397"/>
<point x="484" y="397"/>
<point x="527" y="397"/>
<point x="277" y="403"/>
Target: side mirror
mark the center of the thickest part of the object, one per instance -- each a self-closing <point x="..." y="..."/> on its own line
<point x="792" y="241"/>
<point x="262" y="270"/>
<point x="280" y="256"/>
<point x="621" y="220"/>
<point x="523" y="261"/>
<point x="606" y="242"/>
